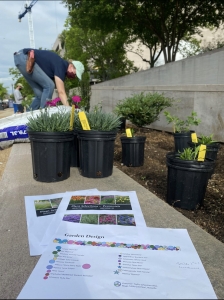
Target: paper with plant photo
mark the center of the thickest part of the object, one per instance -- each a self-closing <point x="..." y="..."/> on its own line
<point x="40" y="210"/>
<point x="118" y="262"/>
<point x="99" y="208"/>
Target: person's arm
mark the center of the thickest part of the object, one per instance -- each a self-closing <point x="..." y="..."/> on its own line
<point x="61" y="90"/>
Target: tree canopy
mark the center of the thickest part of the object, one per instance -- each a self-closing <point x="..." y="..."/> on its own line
<point x="104" y="53"/>
<point x="152" y="21"/>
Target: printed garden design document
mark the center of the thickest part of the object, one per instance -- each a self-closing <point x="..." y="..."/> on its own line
<point x="40" y="211"/>
<point x="97" y="208"/>
<point x="115" y="262"/>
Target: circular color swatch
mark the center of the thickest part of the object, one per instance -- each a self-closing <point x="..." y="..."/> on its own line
<point x="86" y="266"/>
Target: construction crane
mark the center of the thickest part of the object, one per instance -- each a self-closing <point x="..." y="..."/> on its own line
<point x="28" y="6"/>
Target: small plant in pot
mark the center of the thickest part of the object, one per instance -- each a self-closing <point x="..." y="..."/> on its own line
<point x="96" y="142"/>
<point x="51" y="140"/>
<point x="187" y="179"/>
<point x="212" y="146"/>
<point x="141" y="110"/>
<point x="181" y="129"/>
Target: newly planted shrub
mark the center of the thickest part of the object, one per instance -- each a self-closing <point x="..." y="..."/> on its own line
<point x="143" y="109"/>
<point x="180" y="125"/>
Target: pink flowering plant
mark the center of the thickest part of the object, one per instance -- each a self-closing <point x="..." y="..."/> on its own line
<point x="72" y="100"/>
<point x="92" y="200"/>
<point x="107" y="219"/>
<point x="76" y="100"/>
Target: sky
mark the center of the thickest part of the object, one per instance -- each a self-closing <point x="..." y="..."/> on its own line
<point x="48" y="22"/>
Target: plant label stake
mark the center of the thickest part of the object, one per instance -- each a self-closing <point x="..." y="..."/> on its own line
<point x="201" y="153"/>
<point x="83" y="120"/>
<point x="72" y="117"/>
<point x="194" y="138"/>
<point x="128" y="132"/>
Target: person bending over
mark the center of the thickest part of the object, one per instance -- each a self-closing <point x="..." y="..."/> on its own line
<point x="49" y="70"/>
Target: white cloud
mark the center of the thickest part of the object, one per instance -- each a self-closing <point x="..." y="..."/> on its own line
<point x="48" y="22"/>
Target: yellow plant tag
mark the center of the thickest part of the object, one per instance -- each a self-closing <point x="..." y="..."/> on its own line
<point x="201" y="153"/>
<point x="194" y="138"/>
<point x="128" y="132"/>
<point x="72" y="117"/>
<point x="83" y="120"/>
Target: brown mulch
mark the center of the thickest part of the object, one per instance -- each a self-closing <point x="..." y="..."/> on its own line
<point x="153" y="176"/>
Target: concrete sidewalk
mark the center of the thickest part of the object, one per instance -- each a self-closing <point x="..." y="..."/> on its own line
<point x="17" y="182"/>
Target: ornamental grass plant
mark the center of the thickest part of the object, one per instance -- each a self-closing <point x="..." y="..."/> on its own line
<point x="206" y="139"/>
<point x="189" y="153"/>
<point x="49" y="121"/>
<point x="99" y="120"/>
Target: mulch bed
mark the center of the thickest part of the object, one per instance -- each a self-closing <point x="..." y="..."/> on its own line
<point x="153" y="176"/>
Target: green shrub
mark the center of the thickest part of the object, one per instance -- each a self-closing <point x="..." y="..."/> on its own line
<point x="27" y="101"/>
<point x="180" y="125"/>
<point x="143" y="109"/>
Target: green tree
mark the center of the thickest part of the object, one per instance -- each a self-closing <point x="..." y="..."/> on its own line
<point x="85" y="91"/>
<point x="3" y="91"/>
<point x="104" y="52"/>
<point x="18" y="78"/>
<point x="168" y="21"/>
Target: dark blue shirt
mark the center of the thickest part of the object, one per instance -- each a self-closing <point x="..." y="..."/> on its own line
<point x="51" y="63"/>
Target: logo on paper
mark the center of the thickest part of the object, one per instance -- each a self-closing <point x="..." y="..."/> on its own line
<point x="117" y="283"/>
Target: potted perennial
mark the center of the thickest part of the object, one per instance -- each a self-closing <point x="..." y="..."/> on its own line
<point x="212" y="146"/>
<point x="187" y="178"/>
<point x="96" y="143"/>
<point x="74" y="100"/>
<point x="181" y="129"/>
<point x="140" y="109"/>
<point x="51" y="140"/>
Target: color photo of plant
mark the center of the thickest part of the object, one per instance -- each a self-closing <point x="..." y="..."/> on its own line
<point x="107" y="219"/>
<point x="122" y="200"/>
<point x="55" y="202"/>
<point x="77" y="200"/>
<point x="107" y="200"/>
<point x="42" y="204"/>
<point x="126" y="220"/>
<point x="89" y="219"/>
<point x="92" y="200"/>
<point x="103" y="219"/>
<point x="72" y="218"/>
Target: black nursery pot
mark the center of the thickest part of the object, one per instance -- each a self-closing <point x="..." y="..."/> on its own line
<point x="181" y="140"/>
<point x="75" y="150"/>
<point x="51" y="155"/>
<point x="96" y="153"/>
<point x="133" y="151"/>
<point x="187" y="181"/>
